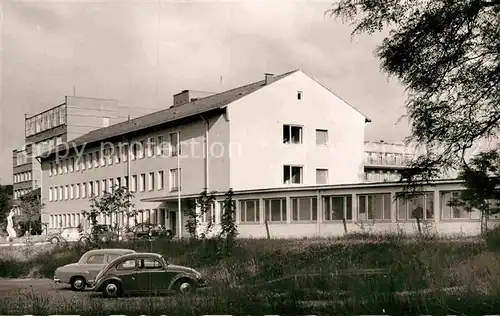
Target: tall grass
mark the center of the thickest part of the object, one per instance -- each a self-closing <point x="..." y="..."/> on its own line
<point x="276" y="276"/>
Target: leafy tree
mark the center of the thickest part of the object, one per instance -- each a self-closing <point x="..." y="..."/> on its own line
<point x="31" y="209"/>
<point x="114" y="202"/>
<point x="447" y="54"/>
<point x="6" y="192"/>
<point x="481" y="177"/>
<point x="204" y="202"/>
<point x="229" y="229"/>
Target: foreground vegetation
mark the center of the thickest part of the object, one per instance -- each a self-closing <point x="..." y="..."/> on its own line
<point x="290" y="277"/>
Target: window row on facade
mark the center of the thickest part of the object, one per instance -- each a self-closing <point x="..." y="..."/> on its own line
<point x="143" y="182"/>
<point x="151" y="216"/>
<point x="376" y="207"/>
<point x="293" y="134"/>
<point x="120" y="153"/>
<point x="22" y="176"/>
<point x="18" y="193"/>
<point x="381" y="176"/>
<point x="46" y="120"/>
<point x="294" y="174"/>
<point x="387" y="158"/>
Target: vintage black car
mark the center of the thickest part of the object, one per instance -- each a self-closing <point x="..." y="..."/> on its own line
<point x="147" y="231"/>
<point x="146" y="273"/>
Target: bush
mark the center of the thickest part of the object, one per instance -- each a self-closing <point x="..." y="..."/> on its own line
<point x="493" y="239"/>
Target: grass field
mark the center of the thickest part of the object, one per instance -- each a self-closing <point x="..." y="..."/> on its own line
<point x="285" y="277"/>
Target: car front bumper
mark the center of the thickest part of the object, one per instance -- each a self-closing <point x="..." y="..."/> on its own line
<point x="56" y="280"/>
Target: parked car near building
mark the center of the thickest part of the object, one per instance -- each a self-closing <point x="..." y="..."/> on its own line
<point x="68" y="234"/>
<point x="147" y="230"/>
<point x="82" y="274"/>
<point x="146" y="273"/>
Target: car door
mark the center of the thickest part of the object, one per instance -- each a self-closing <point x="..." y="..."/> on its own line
<point x="127" y="272"/>
<point x="94" y="264"/>
<point x="151" y="275"/>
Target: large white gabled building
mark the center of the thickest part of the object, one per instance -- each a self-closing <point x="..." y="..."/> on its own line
<point x="284" y="131"/>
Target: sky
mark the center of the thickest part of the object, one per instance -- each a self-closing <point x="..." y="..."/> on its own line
<point x="141" y="53"/>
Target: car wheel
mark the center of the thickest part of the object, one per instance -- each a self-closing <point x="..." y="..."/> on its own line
<point x="111" y="290"/>
<point x="54" y="240"/>
<point x="78" y="284"/>
<point x="184" y="286"/>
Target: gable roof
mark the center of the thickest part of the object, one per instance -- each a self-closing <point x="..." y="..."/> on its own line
<point x="200" y="106"/>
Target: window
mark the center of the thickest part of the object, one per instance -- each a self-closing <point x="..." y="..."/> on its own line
<point x="96" y="159"/>
<point x="209" y="215"/>
<point x="118" y="154"/>
<point x="336" y="208"/>
<point x="66" y="193"/>
<point x="124" y="151"/>
<point x="133" y="185"/>
<point x="142" y="149"/>
<point x="105" y="121"/>
<point x="61" y="197"/>
<point x="109" y="155"/>
<point x="275" y="210"/>
<point x="125" y="181"/>
<point x="126" y="265"/>
<point x="160" y="180"/>
<point x="96" y="188"/>
<point x="110" y="185"/>
<point x="65" y="165"/>
<point x="321" y="176"/>
<point x="151" y="181"/>
<point x="304" y="209"/>
<point x="151" y="147"/>
<point x="175" y="179"/>
<point x="113" y="256"/>
<point x="50" y="194"/>
<point x="174" y="144"/>
<point x="89" y="160"/>
<point x="321" y="137"/>
<point x="82" y="162"/>
<point x="292" y="174"/>
<point x="249" y="211"/>
<point x="84" y="190"/>
<point x="160" y="146"/>
<point x="118" y="182"/>
<point x="455" y="212"/>
<point x="142" y="182"/>
<point x="292" y="134"/>
<point x="50" y="169"/>
<point x="90" y="190"/>
<point x="95" y="259"/>
<point x="374" y="206"/>
<point x="103" y="187"/>
<point x="71" y="195"/>
<point x="149" y="264"/>
<point x="421" y="206"/>
<point x="299" y="95"/>
<point x="134" y="151"/>
<point x="103" y="155"/>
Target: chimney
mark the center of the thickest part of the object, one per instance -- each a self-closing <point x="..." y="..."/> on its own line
<point x="187" y="96"/>
<point x="269" y="78"/>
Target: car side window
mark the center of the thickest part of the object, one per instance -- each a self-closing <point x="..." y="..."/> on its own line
<point x="112" y="256"/>
<point x="126" y="265"/>
<point x="149" y="264"/>
<point x="96" y="259"/>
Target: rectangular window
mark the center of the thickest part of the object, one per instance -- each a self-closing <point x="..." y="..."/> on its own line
<point x="50" y="194"/>
<point x="90" y="190"/>
<point x="299" y="95"/>
<point x="61" y="196"/>
<point x="65" y="165"/>
<point x="77" y="163"/>
<point x="174" y="144"/>
<point x="142" y="182"/>
<point x="160" y="146"/>
<point x="275" y="210"/>
<point x="50" y="169"/>
<point x="110" y="152"/>
<point x="160" y="180"/>
<point x="249" y="211"/>
<point x="66" y="193"/>
<point x="79" y="188"/>
<point x="71" y="164"/>
<point x="455" y="212"/>
<point x="89" y="161"/>
<point x="83" y="162"/>
<point x="151" y="147"/>
<point x="321" y="176"/>
<point x="118" y="182"/>
<point x="151" y="181"/>
<point x="133" y="185"/>
<point x="304" y="209"/>
<point x="336" y="208"/>
<point x="118" y="154"/>
<point x="84" y="190"/>
<point x="142" y="149"/>
<point x="374" y="206"/>
<point x="421" y="206"/>
<point x="103" y="187"/>
<point x="125" y="181"/>
<point x="292" y="134"/>
<point x="175" y="179"/>
<point x="110" y="185"/>
<point x="71" y="195"/>
<point x="135" y="150"/>
<point x="292" y="174"/>
<point x="124" y="151"/>
<point x="96" y="188"/>
<point x="102" y="155"/>
<point x="321" y="137"/>
<point x="96" y="159"/>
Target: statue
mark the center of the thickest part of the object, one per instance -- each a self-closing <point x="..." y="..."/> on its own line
<point x="10" y="226"/>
